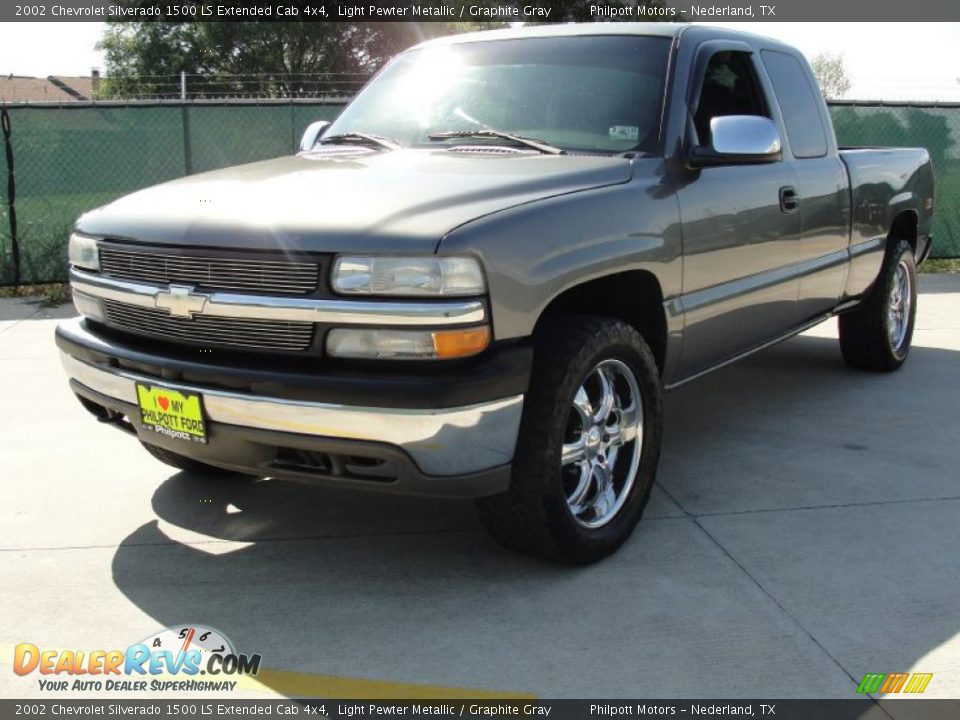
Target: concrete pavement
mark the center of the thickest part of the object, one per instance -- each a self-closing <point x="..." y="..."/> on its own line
<point x="803" y="532"/>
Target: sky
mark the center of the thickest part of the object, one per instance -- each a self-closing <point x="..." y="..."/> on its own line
<point x="884" y="61"/>
<point x="880" y="62"/>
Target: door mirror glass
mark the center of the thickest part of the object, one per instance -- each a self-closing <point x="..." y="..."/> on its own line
<point x="745" y="135"/>
<point x="740" y="140"/>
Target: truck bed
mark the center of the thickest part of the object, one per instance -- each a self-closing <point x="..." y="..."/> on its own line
<point x="885" y="183"/>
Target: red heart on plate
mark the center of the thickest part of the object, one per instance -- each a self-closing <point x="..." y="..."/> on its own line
<point x="164" y="402"/>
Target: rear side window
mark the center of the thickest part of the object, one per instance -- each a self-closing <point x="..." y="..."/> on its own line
<point x="798" y="103"/>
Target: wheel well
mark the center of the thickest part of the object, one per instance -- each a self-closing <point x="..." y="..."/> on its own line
<point x="633" y="297"/>
<point x="904" y="227"/>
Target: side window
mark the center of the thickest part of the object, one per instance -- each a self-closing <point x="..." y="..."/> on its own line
<point x="798" y="103"/>
<point x="730" y="87"/>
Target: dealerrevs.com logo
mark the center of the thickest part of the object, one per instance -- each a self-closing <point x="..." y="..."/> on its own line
<point x="186" y="657"/>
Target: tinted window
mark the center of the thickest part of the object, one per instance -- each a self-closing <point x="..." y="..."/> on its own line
<point x="581" y="93"/>
<point x="730" y="87"/>
<point x="798" y="103"/>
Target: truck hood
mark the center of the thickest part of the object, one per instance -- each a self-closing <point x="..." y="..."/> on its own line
<point x="400" y="201"/>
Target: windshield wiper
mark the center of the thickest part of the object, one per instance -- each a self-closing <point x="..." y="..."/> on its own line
<point x="490" y="133"/>
<point x="362" y="138"/>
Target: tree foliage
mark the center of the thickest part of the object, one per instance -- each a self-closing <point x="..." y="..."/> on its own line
<point x="831" y="75"/>
<point x="286" y="58"/>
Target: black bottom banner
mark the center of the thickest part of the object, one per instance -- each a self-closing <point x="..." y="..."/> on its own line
<point x="865" y="708"/>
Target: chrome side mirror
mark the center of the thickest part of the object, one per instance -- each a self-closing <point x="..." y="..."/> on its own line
<point x="313" y="133"/>
<point x="739" y="140"/>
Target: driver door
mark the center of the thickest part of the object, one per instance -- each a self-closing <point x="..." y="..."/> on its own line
<point x="739" y="238"/>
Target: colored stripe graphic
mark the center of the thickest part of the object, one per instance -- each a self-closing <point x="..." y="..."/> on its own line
<point x="918" y="683"/>
<point x="887" y="683"/>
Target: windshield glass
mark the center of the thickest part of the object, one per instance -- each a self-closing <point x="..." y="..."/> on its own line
<point x="600" y="93"/>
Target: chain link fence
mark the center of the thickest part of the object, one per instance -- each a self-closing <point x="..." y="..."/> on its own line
<point x="71" y="158"/>
<point x="933" y="126"/>
<point x="256" y="86"/>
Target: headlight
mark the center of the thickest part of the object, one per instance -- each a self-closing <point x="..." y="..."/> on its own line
<point x="424" y="276"/>
<point x="87" y="306"/>
<point x="407" y="344"/>
<point x="83" y="252"/>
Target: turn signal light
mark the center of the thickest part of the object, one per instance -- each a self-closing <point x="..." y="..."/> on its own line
<point x="407" y="344"/>
<point x="460" y="343"/>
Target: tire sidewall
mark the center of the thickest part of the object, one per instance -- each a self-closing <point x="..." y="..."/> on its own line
<point x="572" y="537"/>
<point x="902" y="252"/>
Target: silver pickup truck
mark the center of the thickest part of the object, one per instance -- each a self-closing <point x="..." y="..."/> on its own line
<point x="479" y="280"/>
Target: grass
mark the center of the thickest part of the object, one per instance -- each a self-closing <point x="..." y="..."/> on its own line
<point x="940" y="266"/>
<point x="51" y="294"/>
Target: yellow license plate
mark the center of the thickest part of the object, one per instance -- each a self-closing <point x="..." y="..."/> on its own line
<point x="172" y="413"/>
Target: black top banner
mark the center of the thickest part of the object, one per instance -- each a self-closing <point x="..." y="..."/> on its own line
<point x="455" y="11"/>
<point x="486" y="709"/>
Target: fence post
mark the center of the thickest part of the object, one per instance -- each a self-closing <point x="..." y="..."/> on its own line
<point x="185" y="122"/>
<point x="293" y="129"/>
<point x="11" y="194"/>
<point x="187" y="145"/>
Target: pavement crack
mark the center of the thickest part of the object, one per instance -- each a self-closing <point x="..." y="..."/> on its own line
<point x="695" y="519"/>
<point x="9" y="324"/>
<point x="867" y="503"/>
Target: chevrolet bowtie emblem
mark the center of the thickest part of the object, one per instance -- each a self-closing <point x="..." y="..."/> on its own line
<point x="180" y="301"/>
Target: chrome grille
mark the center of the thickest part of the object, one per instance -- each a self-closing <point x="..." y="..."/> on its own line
<point x="237" y="332"/>
<point x="278" y="276"/>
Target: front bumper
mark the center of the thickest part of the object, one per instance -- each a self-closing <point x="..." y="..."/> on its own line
<point x="458" y="451"/>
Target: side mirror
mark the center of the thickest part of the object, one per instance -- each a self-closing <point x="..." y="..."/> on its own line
<point x="739" y="140"/>
<point x="313" y="133"/>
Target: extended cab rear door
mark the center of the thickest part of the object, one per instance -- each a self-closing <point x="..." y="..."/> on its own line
<point x="823" y="196"/>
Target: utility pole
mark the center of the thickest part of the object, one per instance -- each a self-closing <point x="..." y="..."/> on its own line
<point x="183" y="84"/>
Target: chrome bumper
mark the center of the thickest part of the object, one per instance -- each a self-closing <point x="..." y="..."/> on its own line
<point x="444" y="442"/>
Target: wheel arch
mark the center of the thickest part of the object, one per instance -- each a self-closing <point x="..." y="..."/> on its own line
<point x="904" y="227"/>
<point x="633" y="296"/>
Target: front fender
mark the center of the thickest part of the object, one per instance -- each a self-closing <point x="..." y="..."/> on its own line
<point x="534" y="252"/>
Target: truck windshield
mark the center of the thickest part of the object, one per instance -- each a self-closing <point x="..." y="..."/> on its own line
<point x="586" y="94"/>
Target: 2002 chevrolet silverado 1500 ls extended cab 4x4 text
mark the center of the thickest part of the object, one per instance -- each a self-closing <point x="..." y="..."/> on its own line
<point x="479" y="279"/>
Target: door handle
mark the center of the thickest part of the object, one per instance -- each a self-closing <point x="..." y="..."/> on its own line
<point x="789" y="200"/>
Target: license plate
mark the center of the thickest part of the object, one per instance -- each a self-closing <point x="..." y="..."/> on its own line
<point x="172" y="413"/>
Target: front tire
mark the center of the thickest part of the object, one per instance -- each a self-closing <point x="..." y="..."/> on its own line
<point x="589" y="443"/>
<point x="877" y="335"/>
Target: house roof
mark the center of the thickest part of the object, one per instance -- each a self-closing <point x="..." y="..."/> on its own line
<point x="55" y="88"/>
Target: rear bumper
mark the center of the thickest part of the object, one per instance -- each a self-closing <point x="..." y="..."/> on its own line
<point x="459" y="451"/>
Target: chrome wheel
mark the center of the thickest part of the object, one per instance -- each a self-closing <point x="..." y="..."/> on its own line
<point x="603" y="440"/>
<point x="899" y="306"/>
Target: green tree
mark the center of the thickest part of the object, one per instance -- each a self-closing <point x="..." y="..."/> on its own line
<point x="831" y="75"/>
<point x="146" y="58"/>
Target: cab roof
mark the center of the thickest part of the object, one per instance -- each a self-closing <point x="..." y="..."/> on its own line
<point x="650" y="29"/>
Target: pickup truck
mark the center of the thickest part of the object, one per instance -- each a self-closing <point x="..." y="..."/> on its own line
<point x="479" y="280"/>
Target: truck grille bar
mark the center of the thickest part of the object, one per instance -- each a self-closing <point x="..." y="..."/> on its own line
<point x="427" y="313"/>
<point x="274" y="276"/>
<point x="213" y="330"/>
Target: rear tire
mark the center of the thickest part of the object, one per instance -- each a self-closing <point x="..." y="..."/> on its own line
<point x="588" y="446"/>
<point x="186" y="464"/>
<point x="877" y="335"/>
